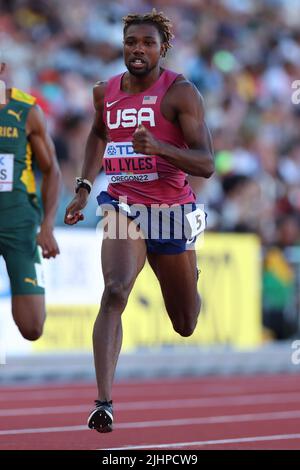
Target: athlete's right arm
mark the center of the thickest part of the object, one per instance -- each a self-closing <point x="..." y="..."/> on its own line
<point x="94" y="151"/>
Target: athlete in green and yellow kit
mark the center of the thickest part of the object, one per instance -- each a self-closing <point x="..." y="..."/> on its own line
<point x="23" y="137"/>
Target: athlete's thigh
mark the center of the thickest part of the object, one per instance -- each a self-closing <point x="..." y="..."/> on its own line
<point x="29" y="312"/>
<point x="177" y="275"/>
<point x="23" y="263"/>
<point x="122" y="258"/>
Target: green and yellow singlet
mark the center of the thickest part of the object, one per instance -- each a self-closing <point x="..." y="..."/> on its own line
<point x="17" y="182"/>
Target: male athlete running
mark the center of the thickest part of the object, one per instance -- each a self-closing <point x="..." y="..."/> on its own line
<point x="148" y="132"/>
<point x="23" y="138"/>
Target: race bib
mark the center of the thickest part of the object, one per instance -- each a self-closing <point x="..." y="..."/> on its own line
<point x="123" y="165"/>
<point x="40" y="278"/>
<point x="6" y="172"/>
<point x="197" y="221"/>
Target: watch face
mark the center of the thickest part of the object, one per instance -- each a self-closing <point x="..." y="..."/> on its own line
<point x="81" y="183"/>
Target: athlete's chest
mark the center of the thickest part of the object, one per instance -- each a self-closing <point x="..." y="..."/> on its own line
<point x="129" y="112"/>
<point x="13" y="136"/>
<point x="12" y="125"/>
<point x="131" y="117"/>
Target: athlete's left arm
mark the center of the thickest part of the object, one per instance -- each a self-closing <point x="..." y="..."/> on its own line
<point x="197" y="159"/>
<point x="44" y="152"/>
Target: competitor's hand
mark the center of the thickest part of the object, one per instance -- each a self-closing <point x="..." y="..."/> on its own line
<point x="73" y="211"/>
<point x="144" y="142"/>
<point x="45" y="239"/>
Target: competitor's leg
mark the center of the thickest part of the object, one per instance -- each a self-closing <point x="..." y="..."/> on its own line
<point x="122" y="260"/>
<point x="29" y="315"/>
<point x="177" y="275"/>
<point x="25" y="273"/>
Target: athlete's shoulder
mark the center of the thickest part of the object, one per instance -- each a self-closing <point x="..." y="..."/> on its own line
<point x="182" y="83"/>
<point x="184" y="88"/>
<point x="100" y="86"/>
<point x="98" y="94"/>
<point x="22" y="97"/>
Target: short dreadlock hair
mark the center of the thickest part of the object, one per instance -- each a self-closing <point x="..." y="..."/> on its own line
<point x="159" y="20"/>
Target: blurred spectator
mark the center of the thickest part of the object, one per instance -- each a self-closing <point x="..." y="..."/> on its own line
<point x="243" y="57"/>
<point x="279" y="283"/>
<point x="239" y="211"/>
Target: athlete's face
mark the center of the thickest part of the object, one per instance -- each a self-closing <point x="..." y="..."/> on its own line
<point x="142" y="49"/>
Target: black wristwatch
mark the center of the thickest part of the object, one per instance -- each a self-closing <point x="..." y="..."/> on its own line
<point x="83" y="183"/>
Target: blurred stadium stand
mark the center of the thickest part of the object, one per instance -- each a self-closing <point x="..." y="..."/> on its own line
<point x="242" y="56"/>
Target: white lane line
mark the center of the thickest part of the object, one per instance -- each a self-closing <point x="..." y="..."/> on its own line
<point x="237" y="440"/>
<point x="161" y="404"/>
<point x="147" y="391"/>
<point x="11" y="432"/>
<point x="50" y="395"/>
<point x="144" y="389"/>
<point x="249" y="417"/>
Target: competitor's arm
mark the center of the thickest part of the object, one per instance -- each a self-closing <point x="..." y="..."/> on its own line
<point x="188" y="108"/>
<point x="44" y="152"/>
<point x="94" y="151"/>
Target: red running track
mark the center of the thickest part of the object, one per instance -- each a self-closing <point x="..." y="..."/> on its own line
<point x="261" y="412"/>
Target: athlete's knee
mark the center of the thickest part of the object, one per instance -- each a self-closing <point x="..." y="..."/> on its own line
<point x="186" y="321"/>
<point x="115" y="294"/>
<point x="185" y="328"/>
<point x="29" y="315"/>
<point x="31" y="333"/>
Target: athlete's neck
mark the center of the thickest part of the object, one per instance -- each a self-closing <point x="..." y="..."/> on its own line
<point x="133" y="84"/>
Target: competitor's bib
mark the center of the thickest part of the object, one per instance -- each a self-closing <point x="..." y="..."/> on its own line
<point x="6" y="172"/>
<point x="123" y="165"/>
<point x="197" y="221"/>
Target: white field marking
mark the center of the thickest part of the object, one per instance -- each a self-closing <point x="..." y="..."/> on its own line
<point x="47" y="395"/>
<point x="70" y="393"/>
<point x="161" y="404"/>
<point x="40" y="386"/>
<point x="231" y="382"/>
<point x="250" y="417"/>
<point x="40" y="394"/>
<point x="221" y="382"/>
<point x="127" y="386"/>
<point x="227" y="382"/>
<point x="237" y="440"/>
<point x="10" y="432"/>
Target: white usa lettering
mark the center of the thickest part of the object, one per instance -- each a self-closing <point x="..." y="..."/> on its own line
<point x="131" y="117"/>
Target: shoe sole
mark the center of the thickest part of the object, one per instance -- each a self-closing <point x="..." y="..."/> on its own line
<point x="101" y="421"/>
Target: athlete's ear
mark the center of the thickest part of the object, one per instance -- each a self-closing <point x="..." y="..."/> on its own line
<point x="163" y="50"/>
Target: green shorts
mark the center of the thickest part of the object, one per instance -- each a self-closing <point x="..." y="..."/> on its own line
<point x="18" y="229"/>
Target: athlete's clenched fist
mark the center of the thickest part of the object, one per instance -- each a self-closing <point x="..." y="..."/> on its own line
<point x="144" y="142"/>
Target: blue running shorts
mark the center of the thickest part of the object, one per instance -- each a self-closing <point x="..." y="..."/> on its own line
<point x="166" y="229"/>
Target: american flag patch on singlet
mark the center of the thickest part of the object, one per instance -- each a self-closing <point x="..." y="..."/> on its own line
<point x="149" y="99"/>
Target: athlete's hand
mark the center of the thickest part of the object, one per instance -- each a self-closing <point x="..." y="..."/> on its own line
<point x="144" y="142"/>
<point x="73" y="211"/>
<point x="45" y="239"/>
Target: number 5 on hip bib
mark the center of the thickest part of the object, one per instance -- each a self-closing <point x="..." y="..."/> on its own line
<point x="197" y="222"/>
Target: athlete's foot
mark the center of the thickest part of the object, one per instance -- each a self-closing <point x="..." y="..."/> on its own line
<point x="101" y="418"/>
